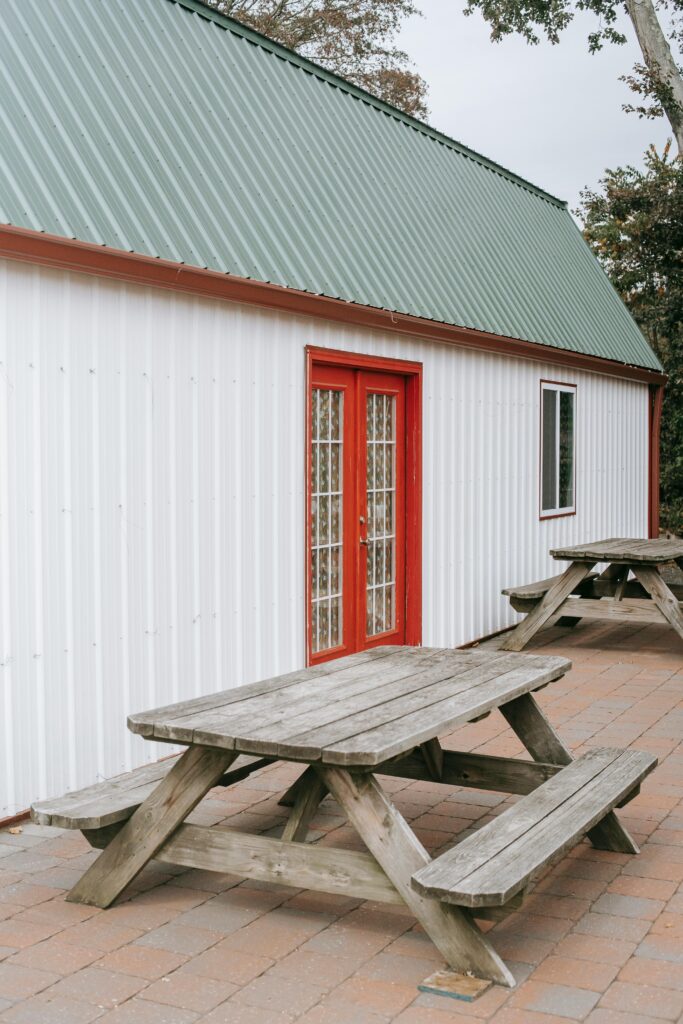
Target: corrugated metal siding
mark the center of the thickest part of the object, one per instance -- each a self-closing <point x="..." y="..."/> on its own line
<point x="148" y="128"/>
<point x="152" y="504"/>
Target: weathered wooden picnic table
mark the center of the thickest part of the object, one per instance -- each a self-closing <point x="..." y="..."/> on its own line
<point x="578" y="593"/>
<point x="349" y="721"/>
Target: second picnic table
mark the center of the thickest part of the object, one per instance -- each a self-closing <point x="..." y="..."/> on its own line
<point x="579" y="594"/>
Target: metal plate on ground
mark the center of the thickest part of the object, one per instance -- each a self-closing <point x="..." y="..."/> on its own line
<point x="454" y="985"/>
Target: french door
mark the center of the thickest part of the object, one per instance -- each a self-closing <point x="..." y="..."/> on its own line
<point x="359" y="549"/>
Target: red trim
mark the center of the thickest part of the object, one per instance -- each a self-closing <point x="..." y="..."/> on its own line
<point x="16" y="819"/>
<point x="553" y="515"/>
<point x="387" y="384"/>
<point x="560" y="383"/>
<point x="655" y="423"/>
<point x="411" y="372"/>
<point x="71" y="254"/>
<point x="339" y="379"/>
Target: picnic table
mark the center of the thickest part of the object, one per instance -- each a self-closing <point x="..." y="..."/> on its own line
<point x="348" y="722"/>
<point x="579" y="593"/>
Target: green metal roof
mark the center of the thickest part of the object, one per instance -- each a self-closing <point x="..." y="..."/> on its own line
<point x="161" y="127"/>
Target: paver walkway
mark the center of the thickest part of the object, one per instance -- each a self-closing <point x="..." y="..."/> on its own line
<point x="600" y="939"/>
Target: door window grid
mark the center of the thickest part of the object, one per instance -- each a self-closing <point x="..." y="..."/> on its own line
<point x="326" y="518"/>
<point x="381" y="525"/>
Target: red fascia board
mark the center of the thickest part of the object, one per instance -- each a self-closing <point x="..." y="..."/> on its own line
<point x="655" y="424"/>
<point x="85" y="257"/>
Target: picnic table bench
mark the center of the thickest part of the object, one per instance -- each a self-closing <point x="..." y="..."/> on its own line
<point x="579" y="593"/>
<point x="379" y="712"/>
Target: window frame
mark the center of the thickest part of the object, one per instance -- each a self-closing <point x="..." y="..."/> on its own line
<point x="558" y="387"/>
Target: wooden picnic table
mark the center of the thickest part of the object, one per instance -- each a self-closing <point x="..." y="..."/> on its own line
<point x="379" y="712"/>
<point x="579" y="594"/>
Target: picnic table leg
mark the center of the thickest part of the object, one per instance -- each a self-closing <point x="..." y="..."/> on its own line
<point x="290" y="796"/>
<point x="658" y="590"/>
<point x="527" y="720"/>
<point x="399" y="852"/>
<point x="155" y="820"/>
<point x="547" y="606"/>
<point x="308" y="798"/>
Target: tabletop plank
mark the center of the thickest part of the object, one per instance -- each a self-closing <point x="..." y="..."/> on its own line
<point x="152" y="723"/>
<point x="447" y="681"/>
<point x="622" y="549"/>
<point x="261" y="708"/>
<point x="394" y="737"/>
<point x="367" y="710"/>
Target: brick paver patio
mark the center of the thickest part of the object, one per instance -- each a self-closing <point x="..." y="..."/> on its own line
<point x="600" y="939"/>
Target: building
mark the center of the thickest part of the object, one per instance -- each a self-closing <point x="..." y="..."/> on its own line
<point x="284" y="373"/>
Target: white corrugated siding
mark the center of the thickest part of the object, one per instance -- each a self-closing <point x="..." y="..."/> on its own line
<point x="152" y="504"/>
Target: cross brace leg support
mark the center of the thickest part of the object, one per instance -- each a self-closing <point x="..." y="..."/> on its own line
<point x="398" y="850"/>
<point x="155" y="820"/>
<point x="547" y="606"/>
<point x="527" y="720"/>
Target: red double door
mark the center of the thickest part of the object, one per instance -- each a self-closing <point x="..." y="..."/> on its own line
<point x="357" y="536"/>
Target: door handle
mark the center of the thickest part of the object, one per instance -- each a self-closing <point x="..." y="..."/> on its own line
<point x="362" y="541"/>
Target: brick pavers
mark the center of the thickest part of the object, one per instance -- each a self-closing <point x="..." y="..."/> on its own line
<point x="599" y="940"/>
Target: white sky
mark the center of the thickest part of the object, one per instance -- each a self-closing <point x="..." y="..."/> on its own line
<point x="550" y="113"/>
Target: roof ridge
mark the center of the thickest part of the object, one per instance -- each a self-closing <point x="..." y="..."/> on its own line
<point x="258" y="39"/>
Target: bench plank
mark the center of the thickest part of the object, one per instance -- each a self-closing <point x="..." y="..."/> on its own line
<point x="526" y="719"/>
<point x="496" y="862"/>
<point x="114" y="800"/>
<point x="535" y="591"/>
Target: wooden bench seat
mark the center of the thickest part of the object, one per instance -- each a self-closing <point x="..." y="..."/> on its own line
<point x="535" y="591"/>
<point x="115" y="800"/>
<point x="493" y="864"/>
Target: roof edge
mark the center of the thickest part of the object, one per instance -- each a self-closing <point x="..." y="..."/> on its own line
<point x="265" y="42"/>
<point x="28" y="246"/>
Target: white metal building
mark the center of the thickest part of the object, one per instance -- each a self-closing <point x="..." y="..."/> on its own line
<point x="283" y="374"/>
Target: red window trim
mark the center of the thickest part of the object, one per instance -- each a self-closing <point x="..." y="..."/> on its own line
<point x="544" y="517"/>
<point x="412" y="372"/>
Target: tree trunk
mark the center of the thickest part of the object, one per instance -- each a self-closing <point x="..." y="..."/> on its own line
<point x="659" y="61"/>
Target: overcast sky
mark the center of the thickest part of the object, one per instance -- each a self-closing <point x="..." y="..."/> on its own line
<point x="550" y="113"/>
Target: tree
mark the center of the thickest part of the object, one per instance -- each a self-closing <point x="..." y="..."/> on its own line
<point x="352" y="38"/>
<point x="658" y="79"/>
<point x="635" y="227"/>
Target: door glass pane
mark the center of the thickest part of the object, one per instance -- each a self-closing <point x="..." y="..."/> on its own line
<point x="327" y="416"/>
<point x="380" y="613"/>
<point x="549" y="451"/>
<point x="566" y="449"/>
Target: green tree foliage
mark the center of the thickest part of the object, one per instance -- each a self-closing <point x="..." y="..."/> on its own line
<point x="635" y="226"/>
<point x="352" y="38"/>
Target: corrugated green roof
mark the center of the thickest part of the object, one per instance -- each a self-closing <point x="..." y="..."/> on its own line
<point x="163" y="128"/>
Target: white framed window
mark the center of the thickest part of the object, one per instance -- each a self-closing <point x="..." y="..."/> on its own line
<point x="558" y="449"/>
